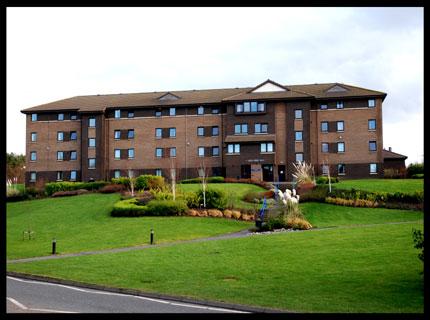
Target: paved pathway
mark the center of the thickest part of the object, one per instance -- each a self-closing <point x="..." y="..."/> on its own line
<point x="240" y="234"/>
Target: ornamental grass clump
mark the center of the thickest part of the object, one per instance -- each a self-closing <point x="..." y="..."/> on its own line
<point x="304" y="173"/>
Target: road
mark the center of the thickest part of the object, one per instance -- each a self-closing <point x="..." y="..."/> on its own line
<point x="29" y="296"/>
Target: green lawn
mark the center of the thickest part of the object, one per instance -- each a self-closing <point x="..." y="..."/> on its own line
<point x="82" y="223"/>
<point x="383" y="185"/>
<point x="362" y="269"/>
<point x="322" y="215"/>
<point x="234" y="190"/>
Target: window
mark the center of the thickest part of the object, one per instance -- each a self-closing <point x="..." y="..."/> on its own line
<point x="247" y="107"/>
<point x="158" y="133"/>
<point x="73" y="116"/>
<point x="158" y="113"/>
<point x="215" y="110"/>
<point x="201" y="110"/>
<point x="59" y="175"/>
<point x="172" y="111"/>
<point x="60" y="136"/>
<point x="260" y="128"/>
<point x="158" y="172"/>
<point x="241" y="128"/>
<point x="73" y="175"/>
<point x="373" y="168"/>
<point x="172" y="152"/>
<point x="372" y="145"/>
<point x="325" y="169"/>
<point x="239" y="108"/>
<point x="91" y="163"/>
<point x="117" y="134"/>
<point x="172" y="132"/>
<point x="324" y="147"/>
<point x="33" y="176"/>
<point x="372" y="124"/>
<point x="261" y="107"/>
<point x="130" y="134"/>
<point x="299" y="157"/>
<point x="33" y="136"/>
<point x="130" y="114"/>
<point x="117" y="174"/>
<point x="341" y="147"/>
<point x="91" y="142"/>
<point x="60" y="117"/>
<point x="73" y="135"/>
<point x="299" y="135"/>
<point x="266" y="147"/>
<point x="341" y="169"/>
<point x="158" y="152"/>
<point x="324" y="126"/>
<point x="91" y="122"/>
<point x="253" y="106"/>
<point x="34" y="117"/>
<point x="233" y="148"/>
<point x="60" y="155"/>
<point x="215" y="131"/>
<point x="73" y="155"/>
<point x="215" y="151"/>
<point x="339" y="105"/>
<point x="117" y="154"/>
<point x="371" y="103"/>
<point x="131" y="153"/>
<point x="201" y="151"/>
<point x="298" y="114"/>
<point x="117" y="114"/>
<point x="323" y="106"/>
<point x="200" y="131"/>
<point x="33" y="156"/>
<point x="339" y="126"/>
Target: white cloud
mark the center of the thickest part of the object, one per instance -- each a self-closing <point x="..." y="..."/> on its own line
<point x="56" y="53"/>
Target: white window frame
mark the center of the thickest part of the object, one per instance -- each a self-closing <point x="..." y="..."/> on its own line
<point x="343" y="126"/>
<point x="339" y="104"/>
<point x="35" y="156"/>
<point x="343" y="144"/>
<point x="128" y="153"/>
<point x="33" y="117"/>
<point x="117" y="174"/>
<point x="60" y="134"/>
<point x="117" y="114"/>
<point x="115" y="134"/>
<point x="172" y="150"/>
<point x="76" y="153"/>
<point x="295" y="113"/>
<point x="33" y="136"/>
<point x="60" y="117"/>
<point x="117" y="154"/>
<point x="201" y="110"/>
<point x="172" y="111"/>
<point x="71" y="175"/>
<point x="89" y="160"/>
<point x="201" y="151"/>
<point x="89" y="144"/>
<point x="375" y="165"/>
<point x="31" y="176"/>
<point x="371" y="103"/>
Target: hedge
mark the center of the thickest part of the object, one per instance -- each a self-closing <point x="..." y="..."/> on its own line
<point x="131" y="208"/>
<point x="53" y="187"/>
<point x="214" y="179"/>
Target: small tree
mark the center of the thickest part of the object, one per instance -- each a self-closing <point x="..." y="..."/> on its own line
<point x="132" y="181"/>
<point x="173" y="178"/>
<point x="203" y="178"/>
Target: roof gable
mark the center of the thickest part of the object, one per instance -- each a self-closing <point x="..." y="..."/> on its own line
<point x="337" y="88"/>
<point x="268" y="86"/>
<point x="169" y="96"/>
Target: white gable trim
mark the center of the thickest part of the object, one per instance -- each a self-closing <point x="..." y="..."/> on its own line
<point x="168" y="96"/>
<point x="269" y="87"/>
<point x="337" y="88"/>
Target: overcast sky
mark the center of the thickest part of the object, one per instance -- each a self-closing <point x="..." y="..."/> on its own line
<point x="57" y="53"/>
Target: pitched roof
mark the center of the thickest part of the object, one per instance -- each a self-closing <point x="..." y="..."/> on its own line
<point x="97" y="103"/>
<point x="386" y="154"/>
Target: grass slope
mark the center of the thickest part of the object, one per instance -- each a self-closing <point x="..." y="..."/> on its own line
<point x="362" y="269"/>
<point x="383" y="185"/>
<point x="82" y="223"/>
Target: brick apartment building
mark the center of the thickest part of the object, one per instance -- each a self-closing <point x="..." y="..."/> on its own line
<point x="239" y="132"/>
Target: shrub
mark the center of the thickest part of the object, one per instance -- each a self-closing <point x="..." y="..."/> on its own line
<point x="303" y="173"/>
<point x="128" y="208"/>
<point x="166" y="208"/>
<point x="215" y="199"/>
<point x="148" y="181"/>
<point x="191" y="198"/>
<point x="418" y="176"/>
<point x="161" y="195"/>
<point x="143" y="198"/>
<point x="112" y="188"/>
<point x="69" y="193"/>
<point x="125" y="181"/>
<point x="418" y="237"/>
<point x="214" y="179"/>
<point x="415" y="168"/>
<point x="317" y="194"/>
<point x="391" y="173"/>
<point x="256" y="195"/>
<point x="325" y="180"/>
<point x="34" y="192"/>
<point x="298" y="223"/>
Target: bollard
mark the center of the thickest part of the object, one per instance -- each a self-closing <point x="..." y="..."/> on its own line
<point x="152" y="236"/>
<point x="54" y="244"/>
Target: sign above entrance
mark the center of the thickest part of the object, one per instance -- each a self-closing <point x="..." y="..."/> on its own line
<point x="255" y="160"/>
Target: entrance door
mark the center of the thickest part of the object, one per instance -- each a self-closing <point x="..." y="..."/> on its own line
<point x="245" y="171"/>
<point x="267" y="172"/>
<point x="281" y="173"/>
